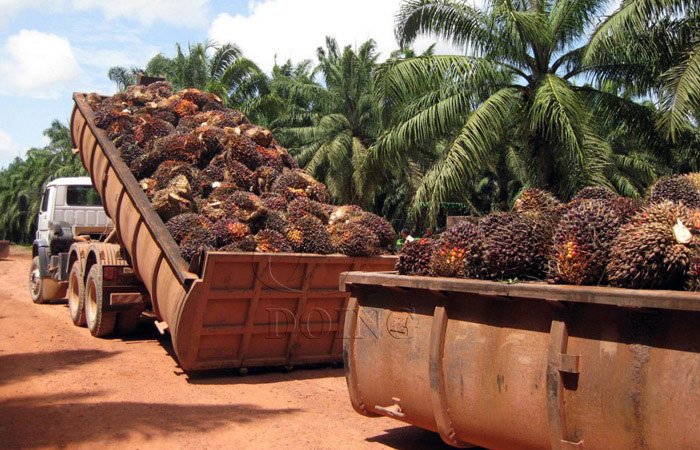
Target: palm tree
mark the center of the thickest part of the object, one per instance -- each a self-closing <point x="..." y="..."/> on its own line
<point x="275" y="104"/>
<point x="27" y="177"/>
<point x="331" y="138"/>
<point x="653" y="47"/>
<point x="512" y="99"/>
<point x="123" y="77"/>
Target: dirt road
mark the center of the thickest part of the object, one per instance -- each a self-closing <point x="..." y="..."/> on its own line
<point x="61" y="388"/>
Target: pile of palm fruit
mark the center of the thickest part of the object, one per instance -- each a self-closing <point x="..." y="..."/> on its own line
<point x="598" y="238"/>
<point x="222" y="183"/>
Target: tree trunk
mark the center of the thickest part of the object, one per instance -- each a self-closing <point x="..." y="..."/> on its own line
<point x="546" y="163"/>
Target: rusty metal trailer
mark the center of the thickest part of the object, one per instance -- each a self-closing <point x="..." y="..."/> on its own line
<point x="232" y="310"/>
<point x="526" y="365"/>
<point x="4" y="249"/>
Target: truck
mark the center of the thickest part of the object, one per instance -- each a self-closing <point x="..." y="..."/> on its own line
<point x="222" y="310"/>
<point x="70" y="211"/>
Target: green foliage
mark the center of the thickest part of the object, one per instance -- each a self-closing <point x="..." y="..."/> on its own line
<point x="27" y="177"/>
<point x="654" y="45"/>
<point x="508" y="113"/>
<point x="330" y="138"/>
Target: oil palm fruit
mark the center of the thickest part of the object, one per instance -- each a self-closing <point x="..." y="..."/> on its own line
<point x="415" y="257"/>
<point x="583" y="238"/>
<point x="302" y="207"/>
<point x="298" y="183"/>
<point x="271" y="241"/>
<point x="678" y="188"/>
<point x="594" y="193"/>
<point x="379" y="226"/>
<point x="466" y="237"/>
<point x="538" y="200"/>
<point x="227" y="231"/>
<point x="309" y="235"/>
<point x="516" y="245"/>
<point x="353" y="239"/>
<point x="655" y="249"/>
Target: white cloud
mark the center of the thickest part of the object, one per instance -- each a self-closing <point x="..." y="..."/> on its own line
<point x="37" y="64"/>
<point x="294" y="29"/>
<point x="190" y="13"/>
<point x="8" y="149"/>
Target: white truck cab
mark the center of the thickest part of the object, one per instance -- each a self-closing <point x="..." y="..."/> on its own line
<point x="70" y="211"/>
<point x="71" y="201"/>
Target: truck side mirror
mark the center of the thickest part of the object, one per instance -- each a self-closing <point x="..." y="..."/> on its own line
<point x="22" y="203"/>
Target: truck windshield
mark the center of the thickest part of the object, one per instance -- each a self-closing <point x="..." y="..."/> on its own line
<point x="82" y="196"/>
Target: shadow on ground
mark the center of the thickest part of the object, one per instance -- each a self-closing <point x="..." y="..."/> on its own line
<point x="411" y="438"/>
<point x="18" y="366"/>
<point x="264" y="375"/>
<point x="65" y="420"/>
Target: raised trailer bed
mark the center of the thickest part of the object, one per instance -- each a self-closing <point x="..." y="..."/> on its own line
<point x="234" y="309"/>
<point x="528" y="365"/>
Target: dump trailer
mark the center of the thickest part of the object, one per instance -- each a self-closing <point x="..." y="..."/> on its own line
<point x="525" y="365"/>
<point x="224" y="310"/>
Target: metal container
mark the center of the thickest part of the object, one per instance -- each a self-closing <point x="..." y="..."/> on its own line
<point x="232" y="311"/>
<point x="528" y="365"/>
<point x="4" y="249"/>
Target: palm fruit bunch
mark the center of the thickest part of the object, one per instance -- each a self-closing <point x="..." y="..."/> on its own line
<point x="345" y="214"/>
<point x="191" y="232"/>
<point x="538" y="200"/>
<point x="271" y="241"/>
<point x="227" y="231"/>
<point x="449" y="260"/>
<point x="656" y="249"/>
<point x="678" y="188"/>
<point x="594" y="193"/>
<point x="265" y="177"/>
<point x="221" y="182"/>
<point x="380" y="226"/>
<point x="516" y="245"/>
<point x="468" y="238"/>
<point x="174" y="199"/>
<point x="353" y="239"/>
<point x="274" y="202"/>
<point x="302" y="207"/>
<point x="309" y="235"/>
<point x="298" y="183"/>
<point x="274" y="220"/>
<point x="180" y="225"/>
<point x="415" y="257"/>
<point x="583" y="237"/>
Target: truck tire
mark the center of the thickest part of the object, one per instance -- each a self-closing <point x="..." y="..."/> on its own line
<point x="100" y="322"/>
<point x="36" y="283"/>
<point x="128" y="321"/>
<point x="76" y="295"/>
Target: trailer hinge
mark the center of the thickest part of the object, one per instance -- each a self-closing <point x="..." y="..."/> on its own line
<point x="569" y="363"/>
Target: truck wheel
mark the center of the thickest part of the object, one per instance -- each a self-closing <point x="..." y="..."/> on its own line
<point x="36" y="284"/>
<point x="76" y="295"/>
<point x="128" y="321"/>
<point x="100" y="322"/>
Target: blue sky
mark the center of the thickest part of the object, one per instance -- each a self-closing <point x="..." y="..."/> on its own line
<point x="51" y="48"/>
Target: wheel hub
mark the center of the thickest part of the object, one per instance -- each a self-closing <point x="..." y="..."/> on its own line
<point x="35" y="280"/>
